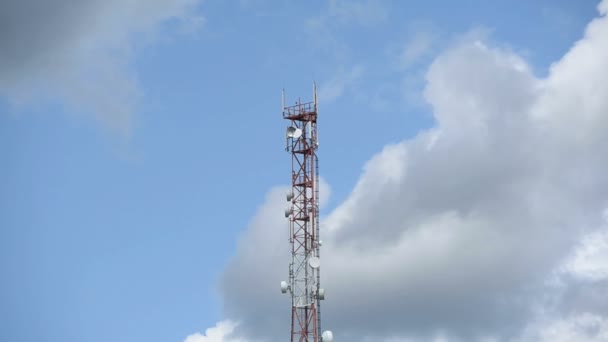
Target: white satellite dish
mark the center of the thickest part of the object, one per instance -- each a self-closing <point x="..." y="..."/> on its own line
<point x="289" y="196"/>
<point x="327" y="336"/>
<point x="314" y="262"/>
<point x="293" y="132"/>
<point x="321" y="294"/>
<point x="283" y="287"/>
<point x="287" y="212"/>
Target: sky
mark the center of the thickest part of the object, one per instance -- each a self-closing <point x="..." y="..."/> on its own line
<point x="461" y="152"/>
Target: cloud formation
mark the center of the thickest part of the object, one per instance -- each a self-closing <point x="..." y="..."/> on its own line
<point x="483" y="228"/>
<point x="577" y="328"/>
<point x="341" y="80"/>
<point x="220" y="333"/>
<point x="419" y="45"/>
<point x="80" y="52"/>
<point x="358" y="12"/>
<point x="326" y="31"/>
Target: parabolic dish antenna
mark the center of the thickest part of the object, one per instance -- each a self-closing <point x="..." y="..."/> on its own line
<point x="293" y="132"/>
<point x="314" y="262"/>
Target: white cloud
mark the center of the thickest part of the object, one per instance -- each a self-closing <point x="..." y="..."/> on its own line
<point x="81" y="53"/>
<point x="336" y="86"/>
<point x="220" y="333"/>
<point x="590" y="259"/>
<point x="454" y="234"/>
<point x="576" y="328"/>
<point x="362" y="12"/>
<point x="326" y="32"/>
<point x="325" y="29"/>
<point x="356" y="12"/>
<point x="418" y="46"/>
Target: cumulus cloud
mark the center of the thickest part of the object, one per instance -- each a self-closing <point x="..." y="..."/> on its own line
<point x="579" y="328"/>
<point x="220" y="333"/>
<point x="262" y="248"/>
<point x="80" y="52"/>
<point x="479" y="229"/>
<point x="590" y="260"/>
<point x="575" y="308"/>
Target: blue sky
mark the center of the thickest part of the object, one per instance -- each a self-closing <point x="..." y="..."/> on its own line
<point x="120" y="232"/>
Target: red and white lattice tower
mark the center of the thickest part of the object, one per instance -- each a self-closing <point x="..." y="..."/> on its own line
<point x="303" y="215"/>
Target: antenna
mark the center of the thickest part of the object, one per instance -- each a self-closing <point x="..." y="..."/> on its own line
<point x="293" y="132"/>
<point x="314" y="93"/>
<point x="283" y="100"/>
<point x="314" y="262"/>
<point x="304" y="285"/>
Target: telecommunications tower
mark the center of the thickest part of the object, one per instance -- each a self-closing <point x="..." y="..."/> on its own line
<point x="303" y="215"/>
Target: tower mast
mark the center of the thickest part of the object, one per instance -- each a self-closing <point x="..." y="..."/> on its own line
<point x="303" y="215"/>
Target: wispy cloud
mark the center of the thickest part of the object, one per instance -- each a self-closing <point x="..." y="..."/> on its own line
<point x="418" y="46"/>
<point x="361" y="12"/>
<point x="333" y="88"/>
<point x="326" y="31"/>
<point x="339" y="15"/>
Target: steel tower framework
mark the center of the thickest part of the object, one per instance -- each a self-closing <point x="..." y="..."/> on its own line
<point x="303" y="215"/>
